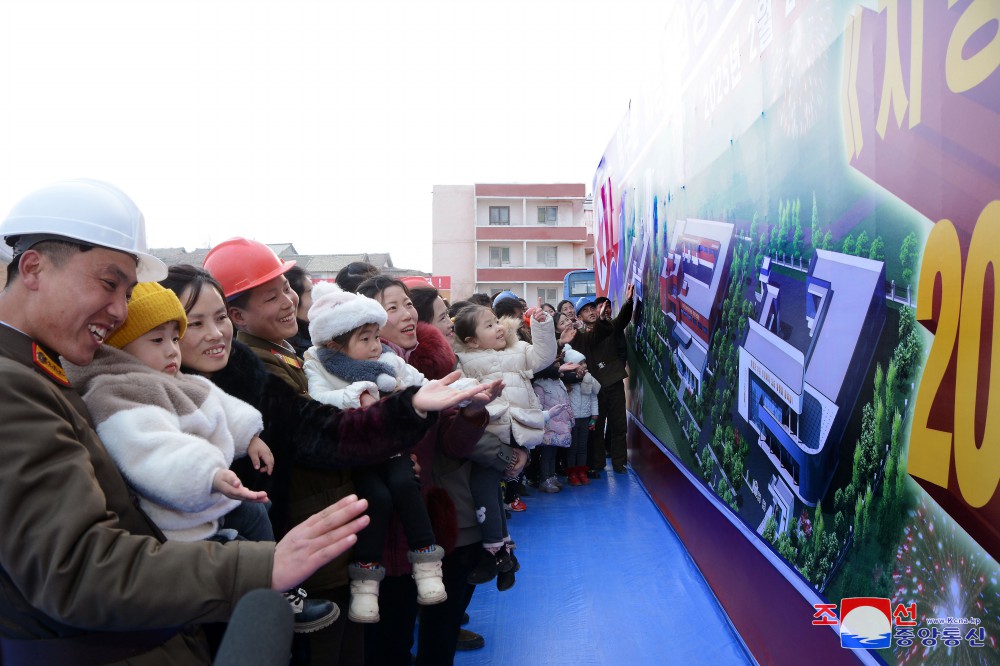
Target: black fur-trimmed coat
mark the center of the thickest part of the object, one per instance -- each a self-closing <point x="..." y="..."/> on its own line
<point x="311" y="435"/>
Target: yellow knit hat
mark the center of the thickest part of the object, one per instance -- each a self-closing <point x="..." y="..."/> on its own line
<point x="151" y="306"/>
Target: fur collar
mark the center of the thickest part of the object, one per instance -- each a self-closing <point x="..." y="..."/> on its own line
<point x="433" y="355"/>
<point x="107" y="360"/>
<point x="115" y="381"/>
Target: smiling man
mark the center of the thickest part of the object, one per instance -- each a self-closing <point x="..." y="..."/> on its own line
<point x="85" y="576"/>
<point x="261" y="303"/>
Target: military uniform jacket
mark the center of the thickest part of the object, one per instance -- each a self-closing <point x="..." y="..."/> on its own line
<point x="76" y="555"/>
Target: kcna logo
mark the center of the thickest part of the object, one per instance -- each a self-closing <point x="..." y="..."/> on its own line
<point x="866" y="622"/>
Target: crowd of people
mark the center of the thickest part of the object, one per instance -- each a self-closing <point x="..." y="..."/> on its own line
<point x="178" y="438"/>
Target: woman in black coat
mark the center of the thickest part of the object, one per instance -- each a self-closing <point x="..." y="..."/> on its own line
<point x="319" y="442"/>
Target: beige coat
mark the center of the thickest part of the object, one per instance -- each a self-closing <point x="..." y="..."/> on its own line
<point x="516" y="416"/>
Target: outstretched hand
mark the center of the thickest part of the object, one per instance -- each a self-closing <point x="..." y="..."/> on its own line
<point x="437" y="395"/>
<point x="226" y="482"/>
<point x="487" y="394"/>
<point x="316" y="541"/>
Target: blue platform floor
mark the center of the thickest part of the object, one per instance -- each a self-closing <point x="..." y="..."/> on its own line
<point x="604" y="579"/>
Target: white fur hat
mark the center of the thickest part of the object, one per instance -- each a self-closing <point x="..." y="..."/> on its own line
<point x="335" y="312"/>
<point x="571" y="355"/>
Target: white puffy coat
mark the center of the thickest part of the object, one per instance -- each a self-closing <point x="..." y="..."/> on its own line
<point x="329" y="389"/>
<point x="583" y="397"/>
<point x="517" y="414"/>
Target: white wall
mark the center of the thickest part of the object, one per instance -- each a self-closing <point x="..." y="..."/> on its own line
<point x="453" y="236"/>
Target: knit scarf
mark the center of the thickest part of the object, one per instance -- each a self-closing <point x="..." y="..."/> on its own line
<point x="351" y="370"/>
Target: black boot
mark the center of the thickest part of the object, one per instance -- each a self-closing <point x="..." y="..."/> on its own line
<point x="486" y="568"/>
<point x="311" y="614"/>
<point x="507" y="565"/>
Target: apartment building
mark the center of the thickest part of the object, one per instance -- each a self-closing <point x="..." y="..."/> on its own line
<point x="521" y="237"/>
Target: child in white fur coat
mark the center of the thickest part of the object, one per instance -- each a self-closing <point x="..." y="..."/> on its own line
<point x="174" y="436"/>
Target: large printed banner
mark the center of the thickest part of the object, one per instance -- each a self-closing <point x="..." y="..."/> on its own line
<point x="807" y="197"/>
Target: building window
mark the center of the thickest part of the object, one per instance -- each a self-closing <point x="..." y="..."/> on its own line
<point x="499" y="256"/>
<point x="500" y="215"/>
<point x="548" y="214"/>
<point x="548" y="295"/>
<point x="548" y="255"/>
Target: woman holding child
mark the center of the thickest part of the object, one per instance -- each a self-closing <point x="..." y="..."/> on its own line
<point x="442" y="457"/>
<point x="313" y="444"/>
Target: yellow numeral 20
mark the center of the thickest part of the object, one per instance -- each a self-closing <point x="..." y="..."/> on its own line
<point x="958" y="330"/>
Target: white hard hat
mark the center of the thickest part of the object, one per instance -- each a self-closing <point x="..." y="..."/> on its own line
<point x="89" y="211"/>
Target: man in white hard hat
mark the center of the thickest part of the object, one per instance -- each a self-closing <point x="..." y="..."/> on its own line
<point x="85" y="576"/>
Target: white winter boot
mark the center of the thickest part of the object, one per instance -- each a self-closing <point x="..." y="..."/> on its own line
<point x="364" y="593"/>
<point x="427" y="575"/>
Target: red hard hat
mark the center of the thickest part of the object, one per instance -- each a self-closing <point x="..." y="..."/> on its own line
<point x="415" y="281"/>
<point x="240" y="264"/>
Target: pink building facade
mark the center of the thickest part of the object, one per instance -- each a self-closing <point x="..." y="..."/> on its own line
<point x="521" y="237"/>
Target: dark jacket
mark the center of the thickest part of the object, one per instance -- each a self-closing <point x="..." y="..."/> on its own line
<point x="601" y="347"/>
<point x="314" y="445"/>
<point x="553" y="372"/>
<point x="451" y="471"/>
<point x="300" y="342"/>
<point x="76" y="554"/>
<point x="453" y="435"/>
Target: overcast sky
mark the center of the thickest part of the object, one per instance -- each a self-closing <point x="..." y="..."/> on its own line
<point x="325" y="124"/>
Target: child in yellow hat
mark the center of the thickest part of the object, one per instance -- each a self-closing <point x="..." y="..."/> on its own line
<point x="174" y="435"/>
